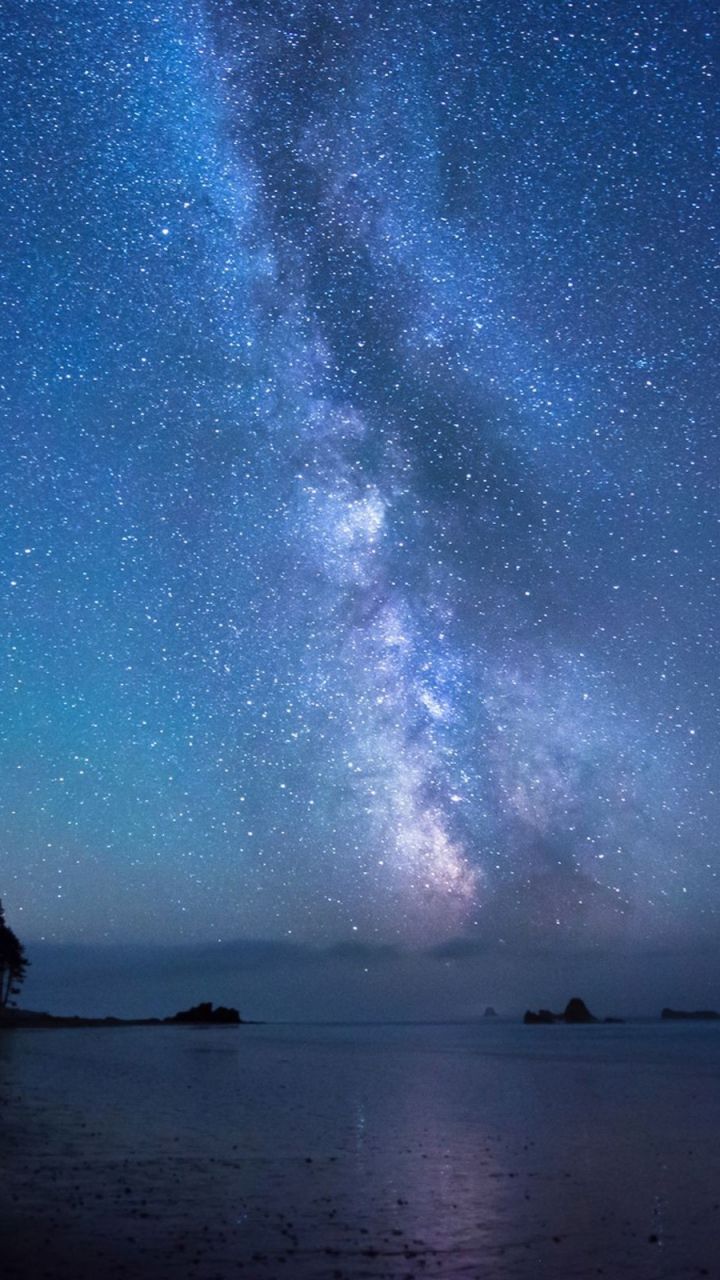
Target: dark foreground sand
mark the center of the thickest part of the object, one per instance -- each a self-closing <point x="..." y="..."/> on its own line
<point x="363" y="1152"/>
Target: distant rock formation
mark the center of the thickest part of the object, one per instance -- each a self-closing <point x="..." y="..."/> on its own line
<point x="683" y="1015"/>
<point x="205" y="1014"/>
<point x="576" y="1011"/>
<point x="489" y="1012"/>
<point x="543" y="1016"/>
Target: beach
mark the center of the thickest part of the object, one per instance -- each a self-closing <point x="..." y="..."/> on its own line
<point x="477" y="1150"/>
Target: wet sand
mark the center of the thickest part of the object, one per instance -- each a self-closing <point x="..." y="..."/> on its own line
<point x="304" y="1152"/>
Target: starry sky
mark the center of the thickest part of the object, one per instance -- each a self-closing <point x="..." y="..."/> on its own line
<point x="359" y="513"/>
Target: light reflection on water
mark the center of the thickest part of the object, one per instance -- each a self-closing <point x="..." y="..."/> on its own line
<point x="533" y="1151"/>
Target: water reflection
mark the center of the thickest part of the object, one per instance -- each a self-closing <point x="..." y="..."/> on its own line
<point x="456" y="1150"/>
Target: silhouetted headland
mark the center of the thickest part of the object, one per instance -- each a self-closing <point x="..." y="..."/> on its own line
<point x="684" y="1015"/>
<point x="575" y="1012"/>
<point x="198" y="1015"/>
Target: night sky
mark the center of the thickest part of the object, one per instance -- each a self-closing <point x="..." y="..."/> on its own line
<point x="359" y="473"/>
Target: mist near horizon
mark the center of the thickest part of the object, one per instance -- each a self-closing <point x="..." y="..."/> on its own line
<point x="288" y="982"/>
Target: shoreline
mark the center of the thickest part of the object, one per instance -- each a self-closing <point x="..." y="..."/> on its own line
<point x="145" y="1158"/>
<point x="22" y="1019"/>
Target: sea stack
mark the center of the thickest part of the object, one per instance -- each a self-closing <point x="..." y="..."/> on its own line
<point x="576" y="1011"/>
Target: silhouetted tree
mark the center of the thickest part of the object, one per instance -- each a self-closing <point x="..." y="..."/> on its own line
<point x="13" y="962"/>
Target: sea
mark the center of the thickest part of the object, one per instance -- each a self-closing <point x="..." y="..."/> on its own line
<point x="485" y="1149"/>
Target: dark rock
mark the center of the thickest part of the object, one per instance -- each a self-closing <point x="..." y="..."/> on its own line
<point x="577" y="1011"/>
<point x="205" y="1014"/>
<point x="683" y="1015"/>
<point x="543" y="1016"/>
<point x="490" y="1012"/>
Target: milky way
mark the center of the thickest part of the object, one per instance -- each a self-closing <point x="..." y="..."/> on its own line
<point x="360" y="467"/>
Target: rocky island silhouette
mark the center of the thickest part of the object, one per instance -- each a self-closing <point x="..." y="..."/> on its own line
<point x="575" y="1012"/>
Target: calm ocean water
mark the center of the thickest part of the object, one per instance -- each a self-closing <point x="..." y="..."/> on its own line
<point x="488" y="1149"/>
